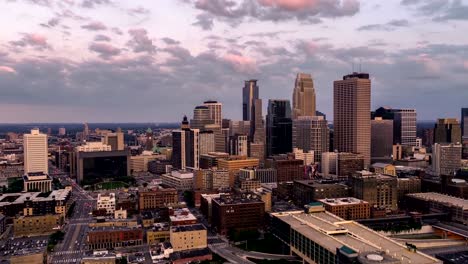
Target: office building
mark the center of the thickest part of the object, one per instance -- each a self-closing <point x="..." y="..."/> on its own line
<point x="381" y="138"/>
<point x="278" y="127"/>
<point x="321" y="237"/>
<point x="93" y="147"/>
<point x="348" y="208"/>
<point x="447" y="130"/>
<point x="348" y="163"/>
<point x="304" y="96"/>
<point x="114" y="140"/>
<point x="464" y="122"/>
<point x="179" y="180"/>
<point x="35" y="152"/>
<point x="232" y="213"/>
<point x="185" y="149"/>
<point x="91" y="166"/>
<point x="377" y="189"/>
<point x="157" y="198"/>
<point x="351" y="109"/>
<point x="328" y="164"/>
<point x="188" y="237"/>
<point x="404" y="127"/>
<point x="238" y="145"/>
<point x="446" y="159"/>
<point x="210" y="160"/>
<point x="219" y="137"/>
<point x="287" y="169"/>
<point x="307" y="157"/>
<point x="262" y="175"/>
<point x="206" y="142"/>
<point x="201" y="117"/>
<point x="140" y="163"/>
<point x="307" y="191"/>
<point x="107" y="203"/>
<point x="149" y="144"/>
<point x="233" y="164"/>
<point x="216" y="111"/>
<point x="62" y="131"/>
<point x="239" y="127"/>
<point x="249" y="95"/>
<point x="311" y="133"/>
<point x="211" y="179"/>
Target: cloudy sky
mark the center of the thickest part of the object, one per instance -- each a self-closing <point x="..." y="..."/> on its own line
<point x="154" y="60"/>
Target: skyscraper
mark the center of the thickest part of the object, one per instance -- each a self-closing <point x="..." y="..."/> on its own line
<point x="464" y="122"/>
<point x="238" y="145"/>
<point x="206" y="142"/>
<point x="215" y="110"/>
<point x="35" y="152"/>
<point x="185" y="149"/>
<point x="201" y="117"/>
<point x="149" y="140"/>
<point x="304" y="96"/>
<point x="278" y="127"/>
<point x="351" y="105"/>
<point x="404" y="124"/>
<point x="249" y="95"/>
<point x="446" y="158"/>
<point x="404" y="127"/>
<point x="115" y="140"/>
<point x="447" y="130"/>
<point x="311" y="133"/>
<point x="381" y="138"/>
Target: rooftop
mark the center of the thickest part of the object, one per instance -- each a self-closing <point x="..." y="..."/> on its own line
<point x="333" y="232"/>
<point x="182" y="214"/>
<point x="441" y="198"/>
<point x="245" y="198"/>
<point x="343" y="201"/>
<point x="188" y="228"/>
<point x="19" y="198"/>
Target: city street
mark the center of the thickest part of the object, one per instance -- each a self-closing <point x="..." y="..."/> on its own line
<point x="72" y="249"/>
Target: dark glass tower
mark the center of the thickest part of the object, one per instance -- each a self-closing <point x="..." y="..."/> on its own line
<point x="279" y="127"/>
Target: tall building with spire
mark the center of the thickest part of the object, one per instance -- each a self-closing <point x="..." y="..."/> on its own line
<point x="351" y="111"/>
<point x="304" y="103"/>
<point x="249" y="95"/>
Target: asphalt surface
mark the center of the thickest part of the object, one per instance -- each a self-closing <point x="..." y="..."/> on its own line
<point x="73" y="247"/>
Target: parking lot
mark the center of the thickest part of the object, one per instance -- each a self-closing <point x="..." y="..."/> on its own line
<point x="15" y="246"/>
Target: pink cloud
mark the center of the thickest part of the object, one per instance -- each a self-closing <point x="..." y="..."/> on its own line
<point x="430" y="65"/>
<point x="240" y="62"/>
<point x="7" y="69"/>
<point x="465" y="65"/>
<point x="36" y="39"/>
<point x="291" y="5"/>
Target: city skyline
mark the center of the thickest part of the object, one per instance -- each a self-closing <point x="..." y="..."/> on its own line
<point x="74" y="61"/>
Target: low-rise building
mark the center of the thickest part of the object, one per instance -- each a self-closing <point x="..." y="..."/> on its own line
<point x="106" y="202"/>
<point x="377" y="189"/>
<point x="231" y="213"/>
<point x="348" y="208"/>
<point x="188" y="237"/>
<point x="179" y="180"/>
<point x="112" y="237"/>
<point x="158" y="233"/>
<point x="157" y="198"/>
<point x="35" y="203"/>
<point x="433" y="202"/>
<point x="307" y="191"/>
<point x="384" y="168"/>
<point x="36" y="225"/>
<point x="181" y="216"/>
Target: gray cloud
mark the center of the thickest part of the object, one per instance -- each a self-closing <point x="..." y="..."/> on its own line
<point x="34" y="40"/>
<point x="138" y="11"/>
<point x="94" y="26"/>
<point x="140" y="41"/>
<point x="101" y="37"/>
<point x="51" y="23"/>
<point x="170" y="41"/>
<point x="95" y="3"/>
<point x="390" y="26"/>
<point x="233" y="13"/>
<point x="105" y="50"/>
<point x="439" y="10"/>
